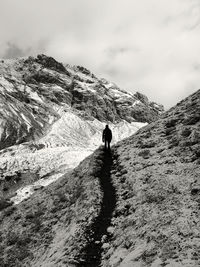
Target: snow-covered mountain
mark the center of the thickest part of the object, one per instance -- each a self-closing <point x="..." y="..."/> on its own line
<point x="52" y="117"/>
<point x="36" y="92"/>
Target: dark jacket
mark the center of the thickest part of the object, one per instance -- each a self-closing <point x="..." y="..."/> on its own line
<point x="107" y="135"/>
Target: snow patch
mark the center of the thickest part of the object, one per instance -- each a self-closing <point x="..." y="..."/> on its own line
<point x="136" y="103"/>
<point x="27" y="191"/>
<point x="35" y="96"/>
<point x="6" y="85"/>
<point x="27" y="121"/>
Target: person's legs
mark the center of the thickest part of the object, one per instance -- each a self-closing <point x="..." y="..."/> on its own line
<point x="108" y="145"/>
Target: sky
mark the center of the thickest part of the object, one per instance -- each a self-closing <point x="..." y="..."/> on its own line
<point x="150" y="46"/>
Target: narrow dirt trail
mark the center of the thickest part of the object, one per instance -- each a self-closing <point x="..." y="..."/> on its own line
<point x="91" y="254"/>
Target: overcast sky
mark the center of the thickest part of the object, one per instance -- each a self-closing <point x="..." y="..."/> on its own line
<point x="151" y="46"/>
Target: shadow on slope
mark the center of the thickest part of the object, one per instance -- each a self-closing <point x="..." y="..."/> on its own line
<point x="91" y="253"/>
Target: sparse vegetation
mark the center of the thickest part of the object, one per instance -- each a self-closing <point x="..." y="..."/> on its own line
<point x="157" y="217"/>
<point x="145" y="153"/>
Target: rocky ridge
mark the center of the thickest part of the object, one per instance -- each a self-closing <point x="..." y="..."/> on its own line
<point x="156" y="175"/>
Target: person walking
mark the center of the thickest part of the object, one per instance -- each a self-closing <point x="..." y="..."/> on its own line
<point x="107" y="137"/>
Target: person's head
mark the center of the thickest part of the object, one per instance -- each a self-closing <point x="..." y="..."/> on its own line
<point x="106" y="126"/>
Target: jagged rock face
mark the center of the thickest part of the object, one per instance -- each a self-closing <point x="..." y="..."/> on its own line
<point x="33" y="90"/>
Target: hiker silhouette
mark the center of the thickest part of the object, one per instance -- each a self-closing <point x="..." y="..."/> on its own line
<point x="107" y="137"/>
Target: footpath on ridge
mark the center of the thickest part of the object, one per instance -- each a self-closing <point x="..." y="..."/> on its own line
<point x="91" y="253"/>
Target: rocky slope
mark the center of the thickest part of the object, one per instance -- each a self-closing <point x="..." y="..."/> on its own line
<point x="156" y="222"/>
<point x="47" y="228"/>
<point x="156" y="175"/>
<point x="52" y="116"/>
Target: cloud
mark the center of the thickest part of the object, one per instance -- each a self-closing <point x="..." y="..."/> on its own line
<point x="150" y="46"/>
<point x="13" y="51"/>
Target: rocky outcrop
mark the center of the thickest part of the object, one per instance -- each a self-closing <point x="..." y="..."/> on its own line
<point x="48" y="62"/>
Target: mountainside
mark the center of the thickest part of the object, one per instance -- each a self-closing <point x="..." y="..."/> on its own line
<point x="41" y="81"/>
<point x="155" y="178"/>
<point x="35" y="92"/>
<point x="52" y="116"/>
